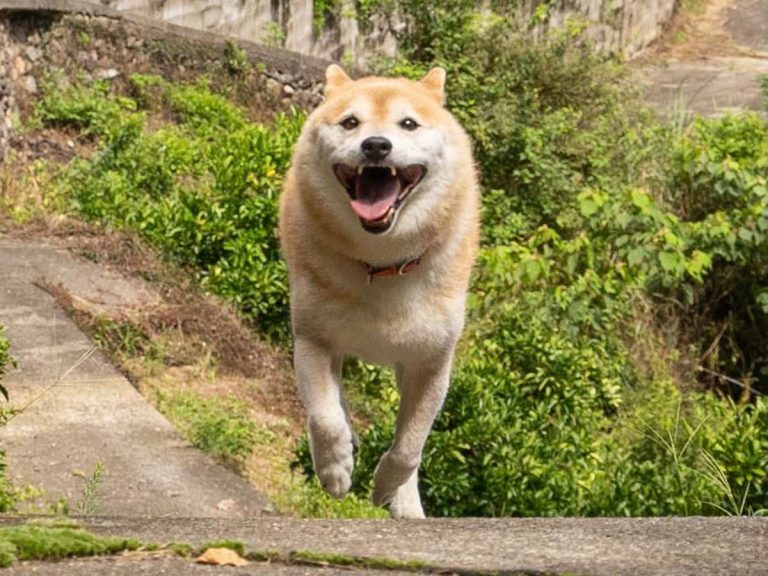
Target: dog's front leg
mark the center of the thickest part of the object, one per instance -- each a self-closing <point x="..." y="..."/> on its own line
<point x="318" y="377"/>
<point x="395" y="482"/>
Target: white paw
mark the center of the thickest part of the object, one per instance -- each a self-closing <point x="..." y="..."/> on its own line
<point x="406" y="504"/>
<point x="393" y="471"/>
<point x="331" y="441"/>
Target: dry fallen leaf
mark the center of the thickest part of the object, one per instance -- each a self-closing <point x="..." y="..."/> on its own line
<point x="221" y="557"/>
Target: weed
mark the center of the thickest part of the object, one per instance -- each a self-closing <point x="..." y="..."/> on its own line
<point x="204" y="190"/>
<point x="274" y="35"/>
<point x="5" y="360"/>
<point x="305" y="498"/>
<point x="264" y="556"/>
<point x="8" y="494"/>
<point x="219" y="426"/>
<point x="236" y="58"/>
<point x="89" y="500"/>
<point x="122" y="337"/>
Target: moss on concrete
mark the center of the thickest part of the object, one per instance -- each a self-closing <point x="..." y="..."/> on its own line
<point x="37" y="541"/>
<point x="309" y="556"/>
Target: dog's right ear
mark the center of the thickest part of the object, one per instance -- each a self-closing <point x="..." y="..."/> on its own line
<point x="335" y="78"/>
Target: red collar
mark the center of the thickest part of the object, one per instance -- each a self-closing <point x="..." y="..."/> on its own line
<point x="395" y="270"/>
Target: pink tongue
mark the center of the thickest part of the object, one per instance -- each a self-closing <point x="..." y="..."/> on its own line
<point x="376" y="192"/>
<point x="375" y="210"/>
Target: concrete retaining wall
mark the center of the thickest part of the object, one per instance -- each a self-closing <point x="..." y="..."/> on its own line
<point x="620" y="26"/>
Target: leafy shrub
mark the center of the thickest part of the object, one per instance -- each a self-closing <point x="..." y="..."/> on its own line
<point x="719" y="189"/>
<point x="203" y="188"/>
<point x="87" y="106"/>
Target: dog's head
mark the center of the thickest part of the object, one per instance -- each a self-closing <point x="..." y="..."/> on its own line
<point x="383" y="149"/>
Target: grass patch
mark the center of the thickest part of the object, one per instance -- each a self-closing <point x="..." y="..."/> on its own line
<point x="221" y="426"/>
<point x="181" y="549"/>
<point x="55" y="541"/>
<point x="305" y="497"/>
<point x="234" y="545"/>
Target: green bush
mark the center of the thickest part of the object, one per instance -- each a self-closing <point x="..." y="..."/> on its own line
<point x="719" y="189"/>
<point x="203" y="188"/>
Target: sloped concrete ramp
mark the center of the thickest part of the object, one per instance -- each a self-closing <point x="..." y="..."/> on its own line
<point x="83" y="411"/>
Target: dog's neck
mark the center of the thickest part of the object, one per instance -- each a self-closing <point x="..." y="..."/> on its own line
<point x="397" y="269"/>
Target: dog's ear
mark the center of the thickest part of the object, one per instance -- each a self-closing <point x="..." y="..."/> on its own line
<point x="335" y="78"/>
<point x="434" y="81"/>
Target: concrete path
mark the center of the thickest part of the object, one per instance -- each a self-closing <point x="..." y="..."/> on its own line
<point x="712" y="84"/>
<point x="584" y="546"/>
<point x="86" y="411"/>
<point x="709" y="88"/>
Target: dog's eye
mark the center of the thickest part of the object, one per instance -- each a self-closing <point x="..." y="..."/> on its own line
<point x="350" y="123"/>
<point x="409" y="124"/>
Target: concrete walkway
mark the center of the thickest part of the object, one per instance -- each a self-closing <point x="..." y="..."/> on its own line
<point x="584" y="546"/>
<point x="711" y="85"/>
<point x="86" y="411"/>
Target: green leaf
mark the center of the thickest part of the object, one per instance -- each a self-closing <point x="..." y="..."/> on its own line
<point x="636" y="256"/>
<point x="669" y="261"/>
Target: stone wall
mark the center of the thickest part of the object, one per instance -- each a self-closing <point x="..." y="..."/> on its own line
<point x="54" y="40"/>
<point x="6" y="93"/>
<point x="620" y="26"/>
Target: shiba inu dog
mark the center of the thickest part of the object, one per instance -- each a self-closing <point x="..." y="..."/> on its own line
<point x="379" y="228"/>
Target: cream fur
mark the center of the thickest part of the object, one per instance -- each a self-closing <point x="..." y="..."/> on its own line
<point x="411" y="321"/>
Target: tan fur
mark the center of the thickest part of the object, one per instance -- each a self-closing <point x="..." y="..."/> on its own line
<point x="411" y="321"/>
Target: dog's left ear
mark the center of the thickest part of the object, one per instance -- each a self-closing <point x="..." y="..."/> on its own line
<point x="434" y="81"/>
<point x="335" y="78"/>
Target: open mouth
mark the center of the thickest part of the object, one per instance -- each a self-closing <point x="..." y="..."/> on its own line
<point x="377" y="192"/>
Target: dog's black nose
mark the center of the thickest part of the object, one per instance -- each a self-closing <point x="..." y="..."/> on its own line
<point x="376" y="147"/>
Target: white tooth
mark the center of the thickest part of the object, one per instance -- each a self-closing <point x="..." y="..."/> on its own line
<point x="359" y="170"/>
<point x="393" y="171"/>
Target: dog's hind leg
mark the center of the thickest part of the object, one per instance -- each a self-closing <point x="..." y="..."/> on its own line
<point x="422" y="391"/>
<point x="318" y="377"/>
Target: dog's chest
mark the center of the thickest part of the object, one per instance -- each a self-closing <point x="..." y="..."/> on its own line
<point x="392" y="322"/>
